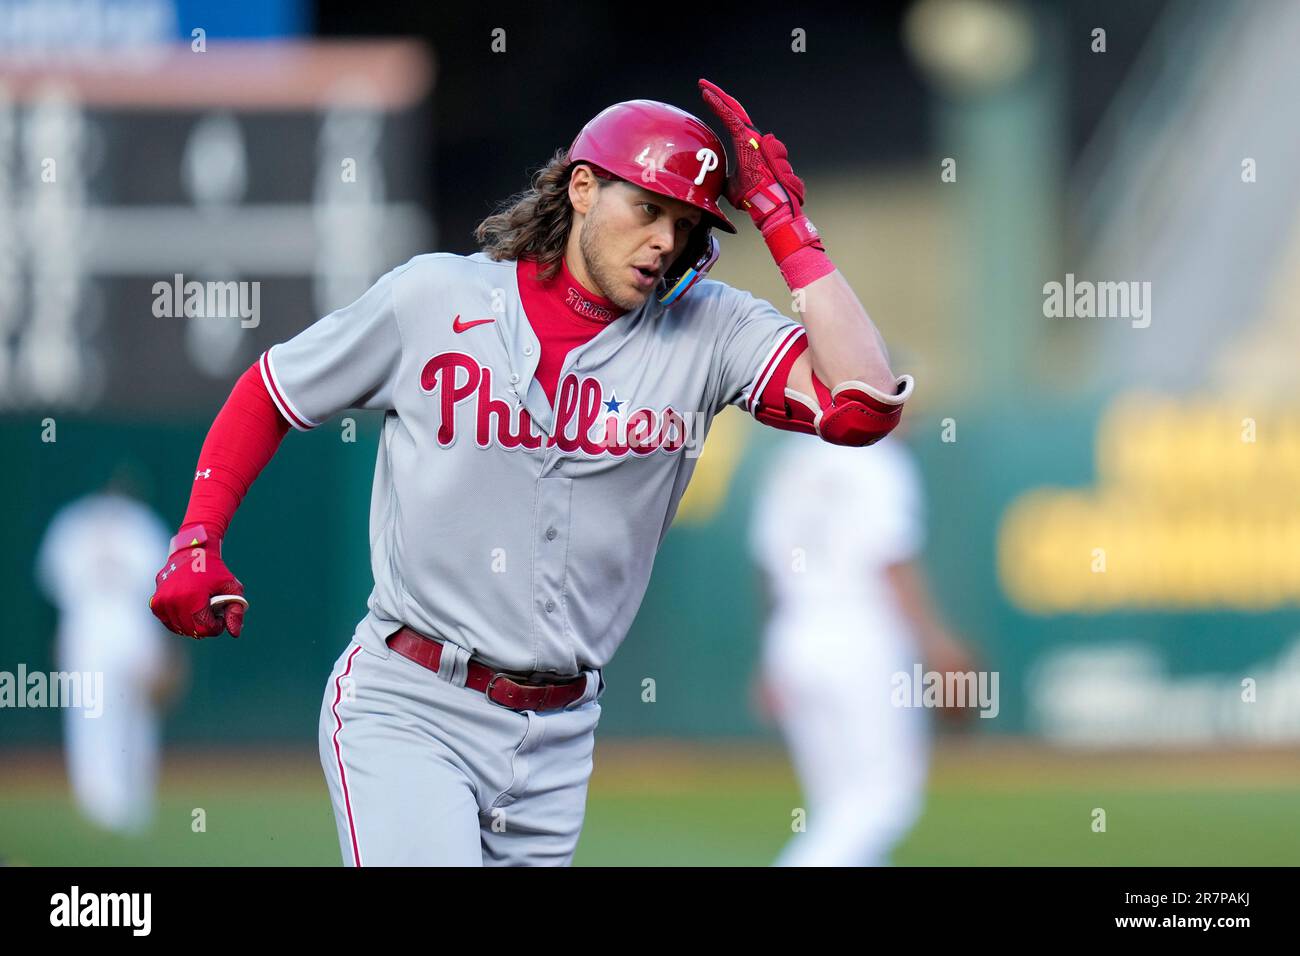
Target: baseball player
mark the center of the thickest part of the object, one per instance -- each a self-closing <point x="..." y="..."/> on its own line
<point x="93" y="564"/>
<point x="544" y="401"/>
<point x="837" y="533"/>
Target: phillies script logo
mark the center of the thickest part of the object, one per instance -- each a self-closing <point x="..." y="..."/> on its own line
<point x="584" y="306"/>
<point x="584" y="420"/>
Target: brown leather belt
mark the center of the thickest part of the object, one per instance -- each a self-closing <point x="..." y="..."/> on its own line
<point x="499" y="687"/>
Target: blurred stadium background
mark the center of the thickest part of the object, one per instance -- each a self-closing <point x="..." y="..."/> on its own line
<point x="1165" y="689"/>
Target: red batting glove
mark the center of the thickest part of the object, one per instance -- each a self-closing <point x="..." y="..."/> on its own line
<point x="196" y="595"/>
<point x="765" y="185"/>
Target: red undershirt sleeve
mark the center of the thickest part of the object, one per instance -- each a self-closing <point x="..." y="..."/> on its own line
<point x="243" y="438"/>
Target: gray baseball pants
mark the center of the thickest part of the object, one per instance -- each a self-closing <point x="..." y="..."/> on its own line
<point x="423" y="771"/>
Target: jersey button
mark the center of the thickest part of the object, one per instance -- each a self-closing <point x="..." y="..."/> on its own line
<point x="550" y="534"/>
<point x="550" y="606"/>
<point x="514" y="378"/>
<point x="528" y="350"/>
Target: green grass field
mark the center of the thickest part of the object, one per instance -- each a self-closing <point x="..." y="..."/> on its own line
<point x="668" y="804"/>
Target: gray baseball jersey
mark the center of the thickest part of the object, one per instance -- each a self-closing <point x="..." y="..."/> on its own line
<point x="520" y="532"/>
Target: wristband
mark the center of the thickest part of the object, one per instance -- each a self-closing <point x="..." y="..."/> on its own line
<point x="193" y="536"/>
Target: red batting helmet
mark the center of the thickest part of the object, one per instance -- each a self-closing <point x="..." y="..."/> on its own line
<point x="670" y="152"/>
<point x="664" y="149"/>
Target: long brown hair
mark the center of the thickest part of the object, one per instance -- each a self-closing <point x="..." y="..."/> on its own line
<point x="534" y="224"/>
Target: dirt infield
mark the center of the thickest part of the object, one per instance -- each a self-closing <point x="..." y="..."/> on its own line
<point x="669" y="803"/>
<point x="994" y="765"/>
<point x="671" y="765"/>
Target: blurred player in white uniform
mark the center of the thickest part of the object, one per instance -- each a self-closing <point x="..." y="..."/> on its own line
<point x="96" y="565"/>
<point x="837" y="533"/>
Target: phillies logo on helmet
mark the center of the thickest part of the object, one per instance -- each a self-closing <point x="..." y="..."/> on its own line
<point x="708" y="163"/>
<point x="651" y="166"/>
<point x="584" y="421"/>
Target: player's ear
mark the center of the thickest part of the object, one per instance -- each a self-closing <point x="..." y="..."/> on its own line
<point x="584" y="185"/>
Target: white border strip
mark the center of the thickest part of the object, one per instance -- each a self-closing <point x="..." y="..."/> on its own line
<point x="280" y="397"/>
<point x="769" y="367"/>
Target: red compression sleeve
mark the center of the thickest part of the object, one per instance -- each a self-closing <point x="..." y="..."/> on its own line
<point x="243" y="438"/>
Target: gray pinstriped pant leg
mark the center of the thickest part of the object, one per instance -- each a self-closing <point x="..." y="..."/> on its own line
<point x="425" y="772"/>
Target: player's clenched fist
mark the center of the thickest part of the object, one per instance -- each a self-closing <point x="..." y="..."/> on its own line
<point x="196" y="595"/>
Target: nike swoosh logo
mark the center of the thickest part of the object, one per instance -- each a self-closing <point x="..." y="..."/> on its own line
<point x="458" y="326"/>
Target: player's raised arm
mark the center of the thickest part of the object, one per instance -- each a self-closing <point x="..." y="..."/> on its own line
<point x="345" y="360"/>
<point x="842" y="345"/>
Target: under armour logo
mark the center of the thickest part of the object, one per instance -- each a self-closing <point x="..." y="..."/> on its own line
<point x="205" y="473"/>
<point x="169" y="570"/>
